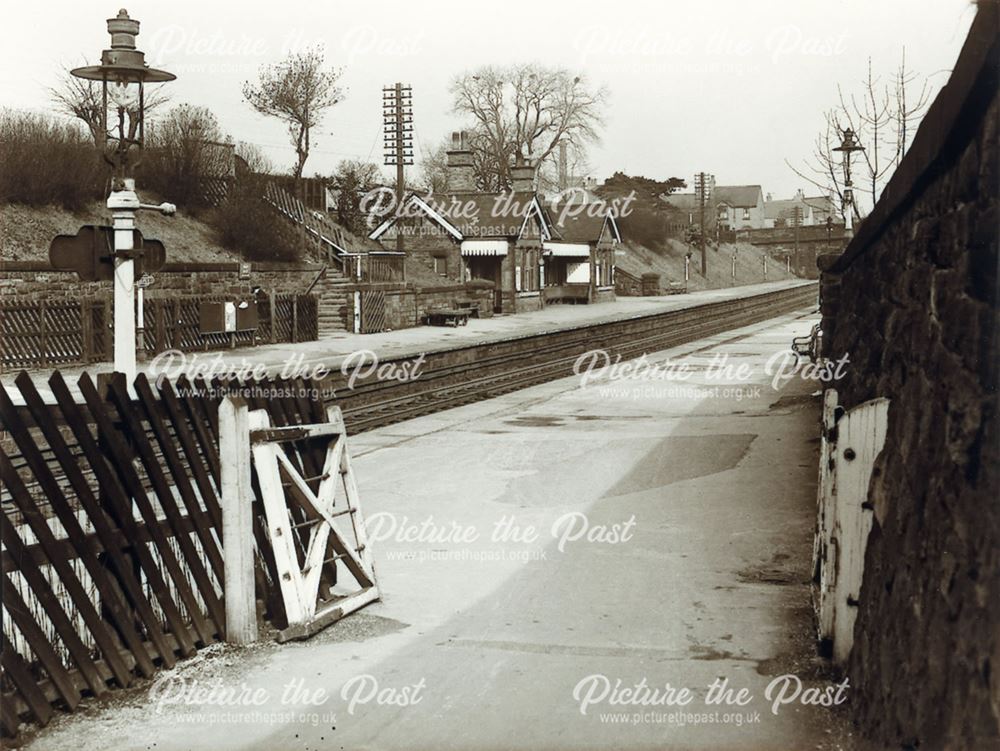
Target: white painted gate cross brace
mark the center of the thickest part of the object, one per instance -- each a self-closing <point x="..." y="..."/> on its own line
<point x="332" y="514"/>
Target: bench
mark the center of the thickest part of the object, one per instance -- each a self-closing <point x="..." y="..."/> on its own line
<point x="809" y="345"/>
<point x="448" y="316"/>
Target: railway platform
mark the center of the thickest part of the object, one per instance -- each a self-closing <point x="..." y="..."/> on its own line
<point x="306" y="359"/>
<point x="618" y="536"/>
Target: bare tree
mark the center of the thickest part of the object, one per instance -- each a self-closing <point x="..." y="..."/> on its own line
<point x="83" y="100"/>
<point x="297" y="91"/>
<point x="869" y="116"/>
<point x="524" y="111"/>
<point x="881" y="117"/>
<point x="823" y="168"/>
<point x="908" y="110"/>
<point x="433" y="172"/>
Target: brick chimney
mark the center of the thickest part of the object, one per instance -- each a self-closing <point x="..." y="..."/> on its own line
<point x="522" y="176"/>
<point x="461" y="172"/>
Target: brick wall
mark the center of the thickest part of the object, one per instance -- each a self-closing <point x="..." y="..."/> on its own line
<point x="915" y="309"/>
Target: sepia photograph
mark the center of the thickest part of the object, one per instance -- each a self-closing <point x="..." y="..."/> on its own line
<point x="514" y="377"/>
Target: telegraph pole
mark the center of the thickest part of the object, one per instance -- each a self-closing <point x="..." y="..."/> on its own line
<point x="798" y="223"/>
<point x="397" y="137"/>
<point x="702" y="190"/>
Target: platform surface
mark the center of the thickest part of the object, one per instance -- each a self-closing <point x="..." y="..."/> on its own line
<point x="491" y="633"/>
<point x="302" y="358"/>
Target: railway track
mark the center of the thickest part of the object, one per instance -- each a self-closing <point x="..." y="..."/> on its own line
<point x="487" y="371"/>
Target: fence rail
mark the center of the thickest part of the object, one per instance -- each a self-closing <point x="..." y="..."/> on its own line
<point x="41" y="334"/>
<point x="53" y="333"/>
<point x="111" y="530"/>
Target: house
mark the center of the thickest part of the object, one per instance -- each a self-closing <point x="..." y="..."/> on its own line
<point x="787" y="212"/>
<point x="465" y="234"/>
<point x="730" y="207"/>
<point x="809" y="211"/>
<point x="739" y="206"/>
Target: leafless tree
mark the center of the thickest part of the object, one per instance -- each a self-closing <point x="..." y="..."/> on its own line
<point x="297" y="91"/>
<point x="823" y="168"/>
<point x="524" y="111"/>
<point x="869" y="115"/>
<point x="433" y="171"/>
<point x="83" y="100"/>
<point x="908" y="109"/>
<point x="882" y="117"/>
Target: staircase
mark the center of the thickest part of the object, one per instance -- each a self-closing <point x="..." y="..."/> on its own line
<point x="332" y="303"/>
<point x="333" y="241"/>
<point x="335" y="246"/>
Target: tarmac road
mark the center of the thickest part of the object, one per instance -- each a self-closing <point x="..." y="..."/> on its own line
<point x="561" y="568"/>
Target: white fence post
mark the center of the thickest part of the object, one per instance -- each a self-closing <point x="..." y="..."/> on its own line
<point x="237" y="521"/>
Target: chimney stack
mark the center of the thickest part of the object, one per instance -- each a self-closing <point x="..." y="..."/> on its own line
<point x="522" y="176"/>
<point x="461" y="171"/>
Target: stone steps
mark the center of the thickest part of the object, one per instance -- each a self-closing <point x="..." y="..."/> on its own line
<point x="333" y="297"/>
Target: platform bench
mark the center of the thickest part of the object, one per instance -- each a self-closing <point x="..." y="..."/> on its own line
<point x="447" y="317"/>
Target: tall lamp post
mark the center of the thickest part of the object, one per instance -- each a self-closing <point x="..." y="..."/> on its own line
<point x="123" y="74"/>
<point x="848" y="145"/>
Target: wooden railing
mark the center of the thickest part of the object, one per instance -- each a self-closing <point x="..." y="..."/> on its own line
<point x="333" y="241"/>
<point x="378" y="266"/>
<point x="112" y="532"/>
<point x="63" y="332"/>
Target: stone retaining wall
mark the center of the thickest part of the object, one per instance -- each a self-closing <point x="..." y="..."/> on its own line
<point x="912" y="302"/>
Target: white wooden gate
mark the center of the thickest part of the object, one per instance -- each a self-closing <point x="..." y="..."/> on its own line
<point x="327" y="521"/>
<point x="850" y="444"/>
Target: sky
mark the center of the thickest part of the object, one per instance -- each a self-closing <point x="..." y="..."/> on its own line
<point x="729" y="87"/>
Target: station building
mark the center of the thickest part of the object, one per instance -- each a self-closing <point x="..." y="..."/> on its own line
<point x="533" y="254"/>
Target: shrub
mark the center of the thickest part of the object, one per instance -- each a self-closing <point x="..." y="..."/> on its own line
<point x="185" y="152"/>
<point x="44" y="161"/>
<point x="645" y="227"/>
<point x="249" y="225"/>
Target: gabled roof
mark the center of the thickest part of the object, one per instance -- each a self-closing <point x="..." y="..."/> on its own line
<point x="467" y="216"/>
<point x="738" y="196"/>
<point x="784" y="208"/>
<point x="581" y="224"/>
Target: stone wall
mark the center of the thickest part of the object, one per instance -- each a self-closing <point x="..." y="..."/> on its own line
<point x="813" y="241"/>
<point x="29" y="281"/>
<point x="406" y="305"/>
<point x="912" y="302"/>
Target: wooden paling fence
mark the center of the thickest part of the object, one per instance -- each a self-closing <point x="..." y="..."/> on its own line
<point x="112" y="562"/>
<point x="74" y="331"/>
<point x="175" y="323"/>
<point x="53" y="333"/>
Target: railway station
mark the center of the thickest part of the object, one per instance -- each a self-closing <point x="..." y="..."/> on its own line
<point x="498" y="455"/>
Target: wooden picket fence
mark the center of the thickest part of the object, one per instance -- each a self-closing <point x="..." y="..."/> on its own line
<point x="58" y="332"/>
<point x="174" y="323"/>
<point x="112" y="561"/>
<point x="67" y="332"/>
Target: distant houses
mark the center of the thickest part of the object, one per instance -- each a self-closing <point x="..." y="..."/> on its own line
<point x="728" y="208"/>
<point x="806" y="211"/>
<point x="732" y="208"/>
